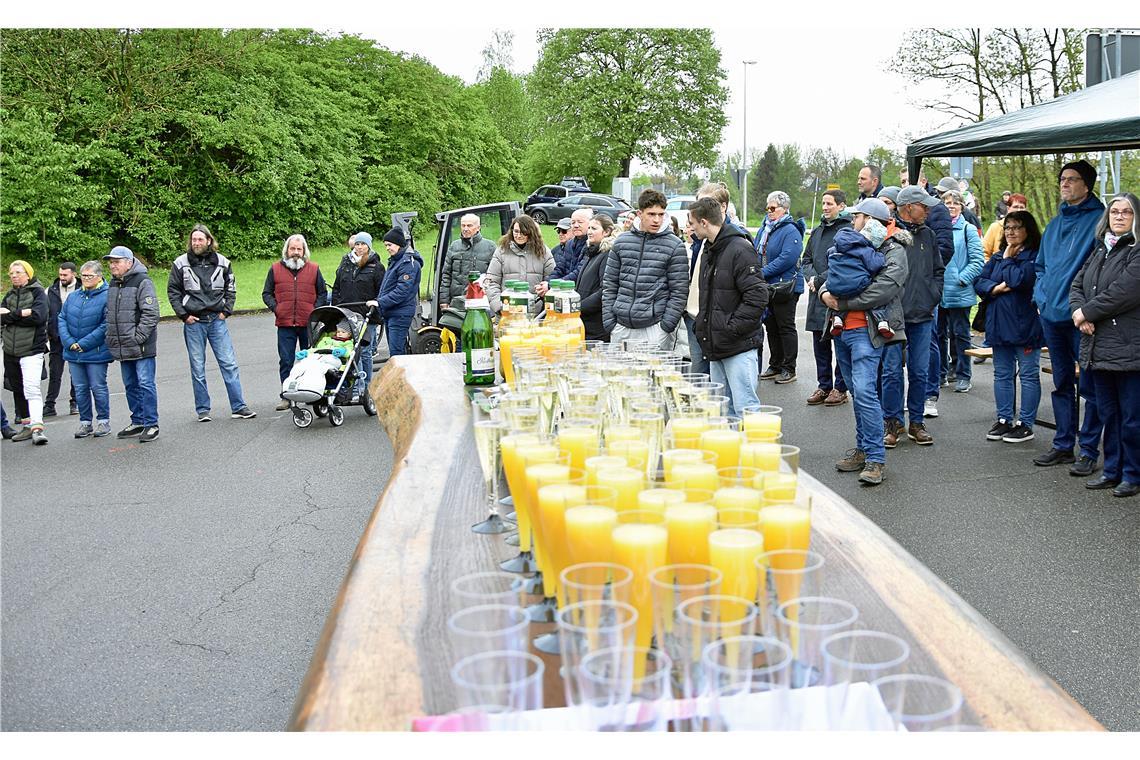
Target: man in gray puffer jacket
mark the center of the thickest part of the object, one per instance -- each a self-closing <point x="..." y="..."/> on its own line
<point x="646" y="283"/>
<point x="132" y="337"/>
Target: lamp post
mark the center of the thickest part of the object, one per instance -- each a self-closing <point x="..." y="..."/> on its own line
<point x="744" y="154"/>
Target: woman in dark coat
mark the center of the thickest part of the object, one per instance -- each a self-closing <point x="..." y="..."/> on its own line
<point x="599" y="240"/>
<point x="1105" y="299"/>
<point x="24" y="314"/>
<point x="1013" y="327"/>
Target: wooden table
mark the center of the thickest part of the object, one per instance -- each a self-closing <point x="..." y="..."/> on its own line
<point x="383" y="657"/>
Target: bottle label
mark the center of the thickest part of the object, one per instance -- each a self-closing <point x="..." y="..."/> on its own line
<point x="482" y="362"/>
<point x="569" y="304"/>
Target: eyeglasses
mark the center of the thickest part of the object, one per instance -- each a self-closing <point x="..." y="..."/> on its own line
<point x="1013" y="227"/>
<point x="519" y="232"/>
<point x="88" y="276"/>
<point x="772" y="208"/>
<point x="1071" y="180"/>
<point x="1120" y="212"/>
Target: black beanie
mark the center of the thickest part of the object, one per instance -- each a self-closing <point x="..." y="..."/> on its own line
<point x="396" y="236"/>
<point x="1083" y="168"/>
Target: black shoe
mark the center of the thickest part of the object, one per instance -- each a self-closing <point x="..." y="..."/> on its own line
<point x="1102" y="483"/>
<point x="149" y="434"/>
<point x="1126" y="489"/>
<point x="8" y="433"/>
<point x="1084" y="467"/>
<point x="786" y="377"/>
<point x="1054" y="456"/>
<point x="1018" y="434"/>
<point x="769" y="373"/>
<point x="73" y="408"/>
<point x="49" y="410"/>
<point x="979" y="360"/>
<point x="1000" y="428"/>
<point x="129" y="430"/>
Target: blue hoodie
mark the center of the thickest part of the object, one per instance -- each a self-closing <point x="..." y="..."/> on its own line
<point x="852" y="262"/>
<point x="1065" y="245"/>
<point x="401" y="286"/>
<point x="963" y="267"/>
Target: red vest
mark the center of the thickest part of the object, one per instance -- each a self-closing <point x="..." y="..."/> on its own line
<point x="296" y="296"/>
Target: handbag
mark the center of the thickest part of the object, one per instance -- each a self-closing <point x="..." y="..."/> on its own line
<point x="781" y="292"/>
<point x="979" y="323"/>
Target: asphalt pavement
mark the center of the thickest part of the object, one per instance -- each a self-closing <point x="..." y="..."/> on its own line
<point x="180" y="584"/>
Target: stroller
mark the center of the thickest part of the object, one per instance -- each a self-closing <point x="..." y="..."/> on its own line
<point x="323" y="380"/>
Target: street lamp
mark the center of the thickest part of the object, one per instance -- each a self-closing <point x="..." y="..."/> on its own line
<point x="744" y="155"/>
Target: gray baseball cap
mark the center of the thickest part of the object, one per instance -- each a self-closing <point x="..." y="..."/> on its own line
<point x="563" y="223"/>
<point x="891" y="192"/>
<point x="947" y="184"/>
<point x="120" y="252"/>
<point x="915" y="194"/>
<point x="874" y="208"/>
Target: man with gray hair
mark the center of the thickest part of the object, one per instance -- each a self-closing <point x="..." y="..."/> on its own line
<point x="470" y="253"/>
<point x="132" y="338"/>
<point x="293" y="288"/>
<point x="575" y="251"/>
<point x="780" y="245"/>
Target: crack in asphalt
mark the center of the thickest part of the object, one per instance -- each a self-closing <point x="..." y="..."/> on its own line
<point x="203" y="647"/>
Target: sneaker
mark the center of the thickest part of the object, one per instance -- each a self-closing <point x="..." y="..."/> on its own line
<point x="38" y="437"/>
<point x="282" y="405"/>
<point x="917" y="433"/>
<point x="204" y="417"/>
<point x="951" y="377"/>
<point x="1018" y="434"/>
<point x="130" y="430"/>
<point x="852" y="462"/>
<point x="1083" y="467"/>
<point x="73" y="408"/>
<point x="892" y="431"/>
<point x="1054" y="456"/>
<point x="245" y="413"/>
<point x="818" y="397"/>
<point x="836" y="398"/>
<point x="85" y="430"/>
<point x="149" y="434"/>
<point x="837" y="326"/>
<point x="24" y="434"/>
<point x="769" y="373"/>
<point x="930" y="408"/>
<point x="998" y="431"/>
<point x="786" y="377"/>
<point x="872" y="474"/>
<point x="102" y="428"/>
<point x="962" y="386"/>
<point x="49" y="410"/>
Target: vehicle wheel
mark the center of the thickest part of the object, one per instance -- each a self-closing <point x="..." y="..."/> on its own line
<point x="539" y="217"/>
<point x="426" y="340"/>
<point x="369" y="405"/>
<point x="321" y="408"/>
<point x="336" y="416"/>
<point x="302" y="418"/>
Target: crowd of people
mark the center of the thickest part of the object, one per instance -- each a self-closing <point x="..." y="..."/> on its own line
<point x="891" y="282"/>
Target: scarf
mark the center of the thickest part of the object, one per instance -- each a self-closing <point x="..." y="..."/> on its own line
<point x="1110" y="240"/>
<point x="875" y="232"/>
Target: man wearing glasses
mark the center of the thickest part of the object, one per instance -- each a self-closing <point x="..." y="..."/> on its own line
<point x="1065" y="245"/>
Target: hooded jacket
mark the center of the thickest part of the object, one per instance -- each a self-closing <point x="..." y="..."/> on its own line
<point x="589" y="287"/>
<point x="401" y="287"/>
<point x="83" y="320"/>
<point x="1107" y="290"/>
<point x="814" y="264"/>
<point x="132" y="315"/>
<point x="463" y="257"/>
<point x="1065" y="246"/>
<point x="514" y="263"/>
<point x="356" y="284"/>
<point x="26" y="336"/>
<point x="781" y="252"/>
<point x="201" y="286"/>
<point x="646" y="281"/>
<point x="925" y="273"/>
<point x="886" y="289"/>
<point x="732" y="296"/>
<point x="963" y="267"/>
<point x="1011" y="318"/>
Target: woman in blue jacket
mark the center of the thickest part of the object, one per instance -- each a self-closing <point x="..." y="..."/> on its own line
<point x="958" y="296"/>
<point x="780" y="245"/>
<point x="399" y="291"/>
<point x="1013" y="327"/>
<point x="83" y="331"/>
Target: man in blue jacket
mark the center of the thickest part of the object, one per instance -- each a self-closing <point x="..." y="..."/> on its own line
<point x="399" y="291"/>
<point x="1065" y="245"/>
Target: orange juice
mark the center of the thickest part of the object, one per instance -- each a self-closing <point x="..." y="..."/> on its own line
<point x="659" y="499"/>
<point x="602" y="462"/>
<point x="506" y="344"/>
<point x="785" y="527"/>
<point x="641" y="548"/>
<point x="777" y="486"/>
<point x="733" y="551"/>
<point x="696" y="475"/>
<point x="589" y="534"/>
<point x="626" y="481"/>
<point x="622" y="433"/>
<point x="725" y="444"/>
<point x="738" y="504"/>
<point x="689" y="526"/>
<point x="512" y="446"/>
<point x="673" y="457"/>
<point x="762" y="456"/>
<point x="687" y="431"/>
<point x="636" y="453"/>
<point x="552" y="503"/>
<point x="761" y="421"/>
<point x="546" y="473"/>
<point x="580" y="443"/>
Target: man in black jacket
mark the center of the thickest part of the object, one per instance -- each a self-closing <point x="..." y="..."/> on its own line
<point x="731" y="301"/>
<point x="814" y="265"/>
<point x="132" y="337"/>
<point x="65" y="284"/>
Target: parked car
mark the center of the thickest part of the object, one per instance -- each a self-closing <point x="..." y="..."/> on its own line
<point x="545" y="194"/>
<point x="678" y="208"/>
<point x="576" y="184"/>
<point x="609" y="205"/>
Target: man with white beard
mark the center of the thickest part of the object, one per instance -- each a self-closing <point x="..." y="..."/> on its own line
<point x="293" y="288"/>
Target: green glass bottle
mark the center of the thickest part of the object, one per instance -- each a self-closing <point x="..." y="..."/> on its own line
<point x="477" y="336"/>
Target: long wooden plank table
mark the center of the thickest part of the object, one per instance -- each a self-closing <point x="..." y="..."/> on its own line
<point x="383" y="656"/>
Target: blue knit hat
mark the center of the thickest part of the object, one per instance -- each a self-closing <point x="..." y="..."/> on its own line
<point x="364" y="237"/>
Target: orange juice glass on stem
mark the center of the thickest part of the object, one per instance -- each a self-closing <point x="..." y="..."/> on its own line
<point x="642" y="548"/>
<point x="553" y="501"/>
<point x="544" y="465"/>
<point x="578" y="437"/>
<point x="589" y="533"/>
<point x="601" y="462"/>
<point x="626" y="481"/>
<point x="513" y="447"/>
<point x="689" y="526"/>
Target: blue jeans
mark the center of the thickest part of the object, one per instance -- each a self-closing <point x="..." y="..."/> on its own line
<point x="699" y="362"/>
<point x="937" y="366"/>
<point x="821" y="347"/>
<point x="290" y="340"/>
<point x="364" y="362"/>
<point x="89" y="381"/>
<point x="218" y="334"/>
<point x="1007" y="361"/>
<point x="859" y="362"/>
<point x="396" y="328"/>
<point x="739" y="374"/>
<point x="1064" y="342"/>
<point x="917" y="369"/>
<point x="142" y="394"/>
<point x="953" y="342"/>
<point x="1118" y="402"/>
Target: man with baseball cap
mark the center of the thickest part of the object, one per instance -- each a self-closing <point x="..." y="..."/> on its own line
<point x="560" y="251"/>
<point x="1065" y="245"/>
<point x="920" y="298"/>
<point x="132" y="337"/>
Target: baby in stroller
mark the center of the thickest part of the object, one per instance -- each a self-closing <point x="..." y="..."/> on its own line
<point x="339" y="340"/>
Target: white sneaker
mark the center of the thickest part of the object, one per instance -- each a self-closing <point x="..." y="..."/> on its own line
<point x="930" y="408"/>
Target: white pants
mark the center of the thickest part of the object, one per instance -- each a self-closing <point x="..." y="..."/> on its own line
<point x="31" y="367"/>
<point x="654" y="335"/>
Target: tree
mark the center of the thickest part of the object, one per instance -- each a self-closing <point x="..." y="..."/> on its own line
<point x="762" y="179"/>
<point x="504" y="96"/>
<point x="651" y="94"/>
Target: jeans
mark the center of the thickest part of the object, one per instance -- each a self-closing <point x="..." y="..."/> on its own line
<point x="783" y="342"/>
<point x="1118" y="403"/>
<point x="937" y="366"/>
<point x="700" y="363"/>
<point x="364" y="361"/>
<point x="25" y="374"/>
<point x="55" y="373"/>
<point x="917" y="369"/>
<point x="218" y="334"/>
<point x="90" y="382"/>
<point x="1064" y="342"/>
<point x="396" y="328"/>
<point x="953" y="342"/>
<point x="859" y="360"/>
<point x="1007" y="361"/>
<point x="142" y="394"/>
<point x="739" y="374"/>
<point x="290" y="340"/>
<point x="821" y="347"/>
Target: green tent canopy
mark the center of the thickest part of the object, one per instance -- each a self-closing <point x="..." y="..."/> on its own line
<point x="1105" y="116"/>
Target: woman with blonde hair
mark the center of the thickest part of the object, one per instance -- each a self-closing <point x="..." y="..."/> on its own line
<point x="24" y="314"/>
